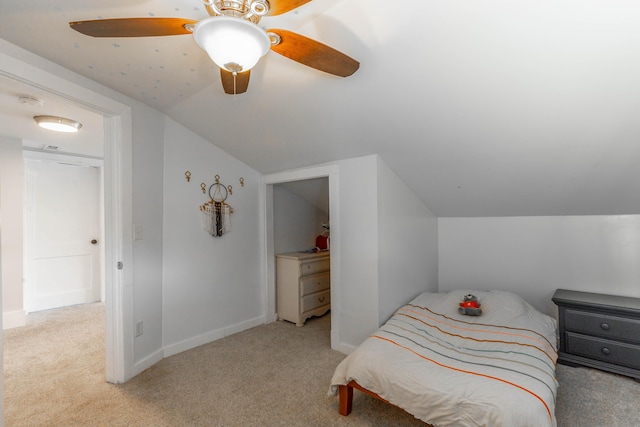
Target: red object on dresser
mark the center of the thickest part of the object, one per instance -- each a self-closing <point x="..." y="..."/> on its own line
<point x="322" y="242"/>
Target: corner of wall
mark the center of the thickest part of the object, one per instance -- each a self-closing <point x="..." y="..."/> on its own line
<point x="407" y="242"/>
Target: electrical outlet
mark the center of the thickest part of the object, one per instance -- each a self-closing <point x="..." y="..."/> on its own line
<point x="139" y="328"/>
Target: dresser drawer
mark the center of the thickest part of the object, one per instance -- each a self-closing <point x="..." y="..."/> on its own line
<point x="601" y="325"/>
<point x="607" y="351"/>
<point x="314" y="266"/>
<point x="316" y="300"/>
<point x="315" y="283"/>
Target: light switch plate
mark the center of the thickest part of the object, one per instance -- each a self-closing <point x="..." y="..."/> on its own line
<point x="137" y="232"/>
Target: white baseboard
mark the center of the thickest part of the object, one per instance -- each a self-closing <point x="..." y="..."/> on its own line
<point x="14" y="319"/>
<point x="211" y="336"/>
<point x="345" y="348"/>
<point x="147" y="362"/>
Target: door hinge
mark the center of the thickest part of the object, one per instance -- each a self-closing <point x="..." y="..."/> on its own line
<point x="120" y="265"/>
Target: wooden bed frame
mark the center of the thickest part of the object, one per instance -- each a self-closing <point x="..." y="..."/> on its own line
<point x="346" y="396"/>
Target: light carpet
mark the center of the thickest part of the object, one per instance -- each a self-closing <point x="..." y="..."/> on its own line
<point x="272" y="375"/>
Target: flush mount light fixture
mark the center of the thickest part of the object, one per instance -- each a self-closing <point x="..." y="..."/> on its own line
<point x="58" y="124"/>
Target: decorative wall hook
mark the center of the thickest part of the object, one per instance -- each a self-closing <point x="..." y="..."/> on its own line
<point x="230" y="189"/>
<point x="241" y="182"/>
<point x="187" y="175"/>
<point x="203" y="187"/>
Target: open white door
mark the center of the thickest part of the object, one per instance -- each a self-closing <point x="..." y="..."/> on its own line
<point x="63" y="236"/>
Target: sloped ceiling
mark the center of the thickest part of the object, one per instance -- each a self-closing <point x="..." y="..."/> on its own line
<point x="315" y="191"/>
<point x="484" y="108"/>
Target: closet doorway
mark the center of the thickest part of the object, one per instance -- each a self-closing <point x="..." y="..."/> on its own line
<point x="297" y="204"/>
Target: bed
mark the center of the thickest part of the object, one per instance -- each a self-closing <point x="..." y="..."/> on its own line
<point x="449" y="369"/>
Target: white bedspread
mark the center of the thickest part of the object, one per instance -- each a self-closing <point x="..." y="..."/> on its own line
<point x="448" y="369"/>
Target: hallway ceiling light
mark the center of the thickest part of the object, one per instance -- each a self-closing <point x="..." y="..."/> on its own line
<point x="58" y="124"/>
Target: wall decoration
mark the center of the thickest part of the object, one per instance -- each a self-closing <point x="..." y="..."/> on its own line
<point x="216" y="213"/>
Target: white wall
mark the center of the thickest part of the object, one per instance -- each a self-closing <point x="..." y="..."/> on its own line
<point x="147" y="173"/>
<point x="11" y="199"/>
<point x="388" y="247"/>
<point x="296" y="222"/>
<point x="212" y="286"/>
<point x="407" y="244"/>
<point x="534" y="256"/>
<point x="358" y="251"/>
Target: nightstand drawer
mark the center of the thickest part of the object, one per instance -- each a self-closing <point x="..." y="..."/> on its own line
<point x="611" y="327"/>
<point x="315" y="283"/>
<point x="316" y="300"/>
<point x="607" y="351"/>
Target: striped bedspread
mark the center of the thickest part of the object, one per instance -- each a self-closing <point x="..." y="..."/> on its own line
<point x="448" y="369"/>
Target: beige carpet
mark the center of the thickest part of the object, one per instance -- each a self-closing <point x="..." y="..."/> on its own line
<point x="272" y="375"/>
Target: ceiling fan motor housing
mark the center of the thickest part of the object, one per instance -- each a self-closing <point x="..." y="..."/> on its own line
<point x="251" y="10"/>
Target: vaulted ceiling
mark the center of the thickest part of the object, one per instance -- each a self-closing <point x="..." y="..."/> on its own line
<point x="484" y="108"/>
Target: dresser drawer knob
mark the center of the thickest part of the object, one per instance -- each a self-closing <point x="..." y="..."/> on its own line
<point x="604" y="326"/>
<point x="605" y="351"/>
<point x="321" y="299"/>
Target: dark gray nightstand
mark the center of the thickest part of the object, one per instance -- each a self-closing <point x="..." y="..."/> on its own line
<point x="599" y="331"/>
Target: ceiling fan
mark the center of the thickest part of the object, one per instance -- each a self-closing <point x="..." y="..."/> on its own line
<point x="232" y="38"/>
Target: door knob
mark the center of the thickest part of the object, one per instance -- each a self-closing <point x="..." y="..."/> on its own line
<point x="94" y="242"/>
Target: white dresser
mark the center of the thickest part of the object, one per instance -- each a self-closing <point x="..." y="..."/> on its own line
<point x="302" y="285"/>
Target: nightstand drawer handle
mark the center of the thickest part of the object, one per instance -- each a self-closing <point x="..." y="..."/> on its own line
<point x="604" y="326"/>
<point x="605" y="351"/>
<point x="321" y="299"/>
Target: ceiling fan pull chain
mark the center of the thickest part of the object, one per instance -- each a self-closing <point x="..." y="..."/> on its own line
<point x="235" y="75"/>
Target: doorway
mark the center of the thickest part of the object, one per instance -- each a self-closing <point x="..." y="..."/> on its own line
<point x="117" y="128"/>
<point x="63" y="232"/>
<point x="274" y="243"/>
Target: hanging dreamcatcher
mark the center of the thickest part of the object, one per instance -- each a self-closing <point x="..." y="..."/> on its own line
<point x="216" y="213"/>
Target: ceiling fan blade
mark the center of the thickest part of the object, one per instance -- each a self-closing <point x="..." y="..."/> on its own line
<point x="234" y="86"/>
<point x="133" y="27"/>
<point x="314" y="54"/>
<point x="278" y="7"/>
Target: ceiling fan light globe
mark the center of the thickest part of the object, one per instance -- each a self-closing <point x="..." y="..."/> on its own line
<point x="230" y="40"/>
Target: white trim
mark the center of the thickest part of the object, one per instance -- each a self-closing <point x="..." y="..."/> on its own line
<point x="148" y="362"/>
<point x="330" y="171"/>
<point x="346" y="348"/>
<point x="38" y="72"/>
<point x="119" y="248"/>
<point x="211" y="336"/>
<point x="14" y="319"/>
<point x="62" y="158"/>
